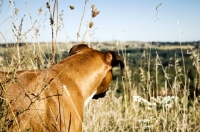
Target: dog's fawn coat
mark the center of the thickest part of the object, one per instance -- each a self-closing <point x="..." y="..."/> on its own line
<point x="53" y="99"/>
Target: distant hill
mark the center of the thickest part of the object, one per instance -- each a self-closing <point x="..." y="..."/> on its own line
<point x="128" y="43"/>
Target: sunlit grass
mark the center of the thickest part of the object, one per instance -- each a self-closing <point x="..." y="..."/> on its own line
<point x="128" y="105"/>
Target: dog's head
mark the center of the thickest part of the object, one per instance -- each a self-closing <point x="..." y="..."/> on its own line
<point x="111" y="58"/>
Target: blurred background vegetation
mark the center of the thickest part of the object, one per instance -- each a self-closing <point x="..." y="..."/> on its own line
<point x="163" y="60"/>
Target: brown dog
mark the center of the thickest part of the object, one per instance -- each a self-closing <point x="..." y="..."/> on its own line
<point x="53" y="99"/>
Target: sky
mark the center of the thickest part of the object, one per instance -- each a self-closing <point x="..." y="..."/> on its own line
<point x="123" y="20"/>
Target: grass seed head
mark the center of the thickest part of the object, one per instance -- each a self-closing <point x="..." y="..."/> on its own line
<point x="71" y="7"/>
<point x="40" y="11"/>
<point x="93" y="6"/>
<point x="16" y="11"/>
<point x="48" y="5"/>
<point x="95" y="12"/>
<point x="91" y="24"/>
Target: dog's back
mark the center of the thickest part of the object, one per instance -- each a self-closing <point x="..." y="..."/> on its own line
<point x="53" y="99"/>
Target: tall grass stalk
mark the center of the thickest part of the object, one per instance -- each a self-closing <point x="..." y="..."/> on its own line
<point x="78" y="33"/>
<point x="31" y="22"/>
<point x="185" y="90"/>
<point x="86" y="31"/>
<point x="124" y="79"/>
<point x="148" y="80"/>
<point x="52" y="22"/>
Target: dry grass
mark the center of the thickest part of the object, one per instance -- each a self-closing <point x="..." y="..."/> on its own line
<point x="109" y="115"/>
<point x="112" y="113"/>
<point x="116" y="112"/>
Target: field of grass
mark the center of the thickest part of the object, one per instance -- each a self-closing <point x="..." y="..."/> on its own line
<point x="128" y="106"/>
<point x="160" y="91"/>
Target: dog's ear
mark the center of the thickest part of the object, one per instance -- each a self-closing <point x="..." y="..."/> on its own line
<point x="113" y="59"/>
<point x="77" y="48"/>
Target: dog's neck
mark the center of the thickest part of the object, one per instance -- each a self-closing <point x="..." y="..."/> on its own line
<point x="89" y="89"/>
<point x="89" y="98"/>
<point x="89" y="81"/>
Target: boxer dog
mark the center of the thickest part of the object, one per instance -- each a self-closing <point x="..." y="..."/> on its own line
<point x="53" y="99"/>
